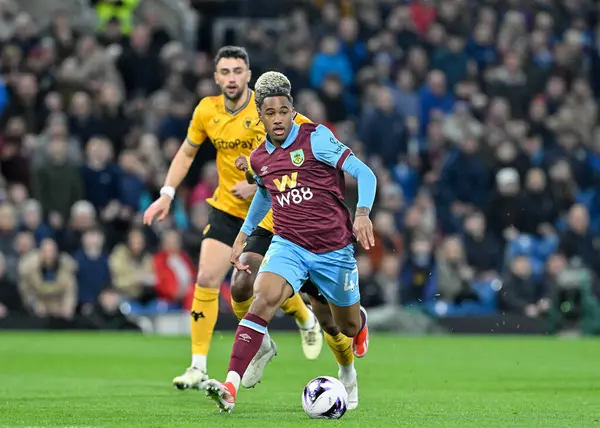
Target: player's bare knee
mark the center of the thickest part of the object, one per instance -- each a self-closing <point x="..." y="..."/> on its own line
<point x="208" y="279"/>
<point x="329" y="327"/>
<point x="350" y="329"/>
<point x="241" y="286"/>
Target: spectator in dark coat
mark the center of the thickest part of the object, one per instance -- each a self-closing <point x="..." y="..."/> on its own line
<point x="383" y="130"/>
<point x="82" y="123"/>
<point x="26" y="102"/>
<point x="577" y="241"/>
<point x="141" y="68"/>
<point x="57" y="184"/>
<point x="452" y="60"/>
<point x="93" y="272"/>
<point x="505" y="209"/>
<point x="539" y="210"/>
<point x="519" y="292"/>
<point x="101" y="177"/>
<point x="462" y="185"/>
<point x="435" y="96"/>
<point x="482" y="250"/>
<point x="10" y="299"/>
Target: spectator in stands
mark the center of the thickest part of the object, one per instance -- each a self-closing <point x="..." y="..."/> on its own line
<point x="330" y="60"/>
<point x="454" y="274"/>
<point x="93" y="272"/>
<point x="10" y="300"/>
<point x="132" y="269"/>
<point x="419" y="273"/>
<point x="563" y="187"/>
<point x="32" y="221"/>
<point x="140" y="67"/>
<point x="13" y="162"/>
<point x="113" y="122"/>
<point x="505" y="211"/>
<point x="57" y="184"/>
<point x="370" y="290"/>
<point x="82" y="218"/>
<point x="577" y="241"/>
<point x="482" y="250"/>
<point x="83" y="124"/>
<point x="101" y="179"/>
<point x="27" y="103"/>
<point x="47" y="282"/>
<point x="56" y="127"/>
<point x="175" y="272"/>
<point x="131" y="184"/>
<point x="8" y="228"/>
<point x="435" y="97"/>
<point x="518" y="292"/>
<point x="382" y="130"/>
<point x="462" y="185"/>
<point x="539" y="211"/>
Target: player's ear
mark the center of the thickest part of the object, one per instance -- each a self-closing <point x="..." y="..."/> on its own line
<point x="215" y="77"/>
<point x="249" y="76"/>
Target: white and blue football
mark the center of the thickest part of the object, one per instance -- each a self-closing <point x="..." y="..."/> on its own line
<point x="325" y="398"/>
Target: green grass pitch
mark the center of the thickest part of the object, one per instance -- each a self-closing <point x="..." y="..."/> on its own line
<point x="123" y="380"/>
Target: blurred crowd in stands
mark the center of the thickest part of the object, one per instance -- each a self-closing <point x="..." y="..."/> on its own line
<point x="480" y="119"/>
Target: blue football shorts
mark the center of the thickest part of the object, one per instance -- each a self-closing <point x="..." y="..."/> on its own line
<point x="334" y="273"/>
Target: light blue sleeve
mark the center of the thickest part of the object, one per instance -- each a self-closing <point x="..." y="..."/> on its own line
<point x="327" y="149"/>
<point x="260" y="206"/>
<point x="367" y="181"/>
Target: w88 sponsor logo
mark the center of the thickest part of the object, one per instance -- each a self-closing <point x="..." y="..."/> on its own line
<point x="295" y="196"/>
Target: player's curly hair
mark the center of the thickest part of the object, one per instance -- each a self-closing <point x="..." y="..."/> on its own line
<point x="272" y="84"/>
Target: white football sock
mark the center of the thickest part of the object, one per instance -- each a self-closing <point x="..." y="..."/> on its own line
<point x="347" y="373"/>
<point x="199" y="362"/>
<point x="235" y="380"/>
<point x="310" y="323"/>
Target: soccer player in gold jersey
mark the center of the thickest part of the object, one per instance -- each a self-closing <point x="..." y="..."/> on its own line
<point x="230" y="122"/>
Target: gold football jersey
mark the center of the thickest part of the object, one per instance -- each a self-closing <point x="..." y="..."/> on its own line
<point x="233" y="133"/>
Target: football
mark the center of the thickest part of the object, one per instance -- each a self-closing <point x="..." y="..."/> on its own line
<point x="324" y="398"/>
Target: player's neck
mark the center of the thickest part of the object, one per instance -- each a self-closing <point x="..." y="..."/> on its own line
<point x="235" y="105"/>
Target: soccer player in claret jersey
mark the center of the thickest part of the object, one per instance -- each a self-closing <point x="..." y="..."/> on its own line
<point x="230" y="122"/>
<point x="300" y="173"/>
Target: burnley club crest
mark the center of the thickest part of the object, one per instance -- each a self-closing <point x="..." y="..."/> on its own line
<point x="297" y="157"/>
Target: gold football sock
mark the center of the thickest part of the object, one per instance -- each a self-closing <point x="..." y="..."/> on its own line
<point x="295" y="306"/>
<point x="205" y="311"/>
<point x="341" y="346"/>
<point x="240" y="309"/>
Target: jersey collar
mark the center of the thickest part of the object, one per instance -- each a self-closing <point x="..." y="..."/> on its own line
<point x="288" y="141"/>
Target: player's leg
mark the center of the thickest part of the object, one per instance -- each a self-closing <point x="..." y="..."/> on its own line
<point x="215" y="255"/>
<point x="336" y="276"/>
<point x="241" y="295"/>
<point x="340" y="345"/>
<point x="282" y="274"/>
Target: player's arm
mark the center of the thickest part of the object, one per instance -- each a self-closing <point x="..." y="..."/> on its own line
<point x="181" y="163"/>
<point x="180" y="166"/>
<point x="260" y="206"/>
<point x="327" y="149"/>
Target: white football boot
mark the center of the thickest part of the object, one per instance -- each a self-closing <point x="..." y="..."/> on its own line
<point x="351" y="386"/>
<point x="254" y="372"/>
<point x="312" y="340"/>
<point x="193" y="378"/>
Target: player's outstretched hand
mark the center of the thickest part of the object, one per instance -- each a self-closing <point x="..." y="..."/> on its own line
<point x="363" y="229"/>
<point x="236" y="252"/>
<point x="158" y="210"/>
